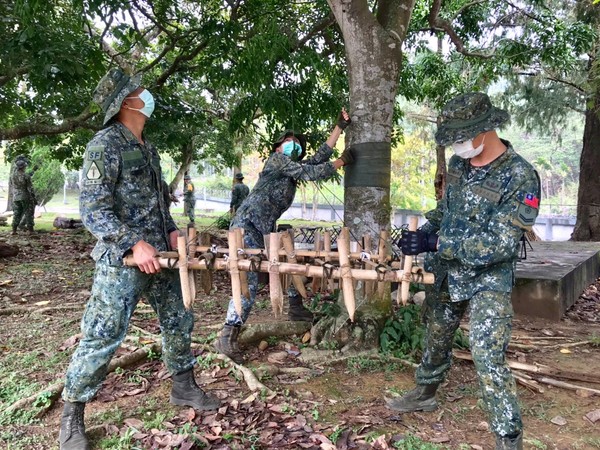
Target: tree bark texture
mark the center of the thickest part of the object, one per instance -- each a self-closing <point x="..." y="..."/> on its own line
<point x="587" y="227"/>
<point x="373" y="53"/>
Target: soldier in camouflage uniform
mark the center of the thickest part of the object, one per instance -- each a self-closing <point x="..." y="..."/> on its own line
<point x="122" y="203"/>
<point x="239" y="192"/>
<point x="491" y="199"/>
<point x="189" y="198"/>
<point x="23" y="197"/>
<point x="269" y="199"/>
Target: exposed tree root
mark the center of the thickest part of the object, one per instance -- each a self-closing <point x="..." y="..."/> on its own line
<point x="34" y="310"/>
<point x="259" y="331"/>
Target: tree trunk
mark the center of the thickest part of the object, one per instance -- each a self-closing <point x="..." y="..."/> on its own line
<point x="187" y="155"/>
<point x="587" y="227"/>
<point x="373" y="53"/>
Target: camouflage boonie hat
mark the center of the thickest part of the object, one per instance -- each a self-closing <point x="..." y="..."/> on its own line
<point x="21" y="163"/>
<point x="289" y="133"/>
<point x="467" y="116"/>
<point x="112" y="89"/>
<point x="239" y="176"/>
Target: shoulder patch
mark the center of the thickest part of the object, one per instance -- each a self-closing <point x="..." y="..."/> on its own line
<point x="525" y="216"/>
<point x="93" y="165"/>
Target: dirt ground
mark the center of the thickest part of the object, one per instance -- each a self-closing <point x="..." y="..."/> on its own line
<point x="43" y="291"/>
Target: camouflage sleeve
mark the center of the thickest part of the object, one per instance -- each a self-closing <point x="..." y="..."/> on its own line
<point x="322" y="155"/>
<point x="300" y="171"/>
<point x="101" y="168"/>
<point x="434" y="218"/>
<point x="498" y="242"/>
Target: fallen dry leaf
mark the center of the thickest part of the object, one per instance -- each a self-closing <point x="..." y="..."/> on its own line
<point x="559" y="420"/>
<point x="593" y="416"/>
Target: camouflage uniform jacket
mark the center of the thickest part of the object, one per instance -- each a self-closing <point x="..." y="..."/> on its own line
<point x="22" y="187"/>
<point x="122" y="199"/>
<point x="274" y="192"/>
<point x="238" y="193"/>
<point x="480" y="222"/>
<point x="188" y="194"/>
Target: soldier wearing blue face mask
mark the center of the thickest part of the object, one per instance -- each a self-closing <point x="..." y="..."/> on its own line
<point x="123" y="203"/>
<point x="269" y="199"/>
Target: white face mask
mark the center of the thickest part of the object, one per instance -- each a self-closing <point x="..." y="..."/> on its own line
<point x="148" y="100"/>
<point x="466" y="150"/>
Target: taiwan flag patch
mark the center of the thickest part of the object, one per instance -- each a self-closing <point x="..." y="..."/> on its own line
<point x="532" y="200"/>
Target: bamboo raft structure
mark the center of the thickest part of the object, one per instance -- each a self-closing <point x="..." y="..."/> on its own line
<point x="375" y="268"/>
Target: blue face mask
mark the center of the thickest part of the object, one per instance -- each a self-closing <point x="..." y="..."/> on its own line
<point x="292" y="150"/>
<point x="148" y="100"/>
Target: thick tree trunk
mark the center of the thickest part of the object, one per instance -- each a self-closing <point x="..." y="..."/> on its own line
<point x="373" y="53"/>
<point x="587" y="227"/>
<point x="187" y="152"/>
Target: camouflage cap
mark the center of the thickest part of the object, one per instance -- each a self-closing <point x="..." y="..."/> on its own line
<point x="239" y="176"/>
<point x="466" y="116"/>
<point x="289" y="133"/>
<point x="112" y="89"/>
<point x="21" y="163"/>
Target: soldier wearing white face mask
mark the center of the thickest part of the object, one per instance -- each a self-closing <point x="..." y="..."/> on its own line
<point x="472" y="239"/>
<point x="123" y="203"/>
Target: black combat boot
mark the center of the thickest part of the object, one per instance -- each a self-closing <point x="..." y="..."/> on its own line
<point x="510" y="442"/>
<point x="227" y="343"/>
<point x="297" y="311"/>
<point x="421" y="398"/>
<point x="72" y="428"/>
<point x="186" y="392"/>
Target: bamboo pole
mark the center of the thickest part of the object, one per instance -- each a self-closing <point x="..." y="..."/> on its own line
<point x="191" y="251"/>
<point x="369" y="286"/>
<point x="274" y="280"/>
<point x="300" y="253"/>
<point x="239" y="241"/>
<point x="346" y="275"/>
<point x="327" y="248"/>
<point x="234" y="273"/>
<point x="317" y="246"/>
<point x="288" y="245"/>
<point x="184" y="275"/>
<point x="205" y="277"/>
<point x="305" y="270"/>
<point x="408" y="260"/>
<point x="382" y="253"/>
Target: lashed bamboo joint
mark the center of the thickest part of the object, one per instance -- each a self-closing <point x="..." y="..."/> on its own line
<point x="368" y="265"/>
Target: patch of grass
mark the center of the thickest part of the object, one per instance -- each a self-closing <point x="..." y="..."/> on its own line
<point x="123" y="441"/>
<point x="535" y="443"/>
<point x="594" y="340"/>
<point x="593" y="442"/>
<point x="412" y="442"/>
<point x="539" y="410"/>
<point x="360" y="364"/>
<point x="14" y="440"/>
<point x="112" y="415"/>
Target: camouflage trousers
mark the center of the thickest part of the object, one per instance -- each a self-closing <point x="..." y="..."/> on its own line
<point x="188" y="208"/>
<point x="252" y="239"/>
<point x="115" y="294"/>
<point x="23" y="211"/>
<point x="491" y="317"/>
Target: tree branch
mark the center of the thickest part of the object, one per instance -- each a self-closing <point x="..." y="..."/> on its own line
<point x="44" y="129"/>
<point x="443" y="25"/>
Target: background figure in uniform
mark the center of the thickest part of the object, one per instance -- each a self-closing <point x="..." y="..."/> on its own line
<point x="239" y="192"/>
<point x="189" y="198"/>
<point x="491" y="199"/>
<point x="23" y="197"/>
<point x="272" y="195"/>
<point x="123" y="205"/>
